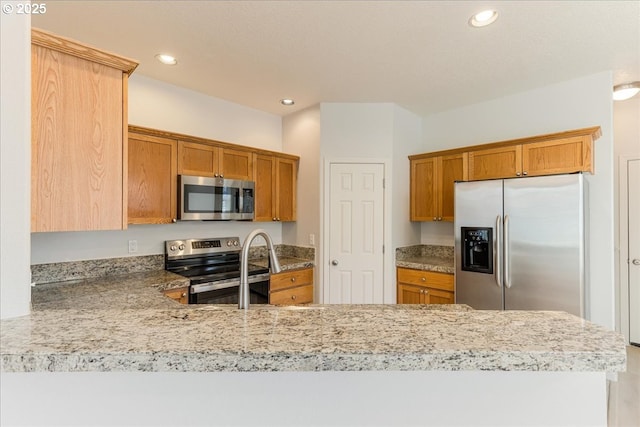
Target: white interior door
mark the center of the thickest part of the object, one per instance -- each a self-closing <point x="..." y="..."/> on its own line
<point x="634" y="250"/>
<point x="356" y="234"/>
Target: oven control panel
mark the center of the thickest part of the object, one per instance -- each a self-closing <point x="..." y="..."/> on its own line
<point x="186" y="247"/>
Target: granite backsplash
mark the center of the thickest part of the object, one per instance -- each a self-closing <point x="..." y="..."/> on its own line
<point x="75" y="270"/>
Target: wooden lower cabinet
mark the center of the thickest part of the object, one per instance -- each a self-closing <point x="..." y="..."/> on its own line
<point x="180" y="295"/>
<point x="424" y="287"/>
<point x="291" y="287"/>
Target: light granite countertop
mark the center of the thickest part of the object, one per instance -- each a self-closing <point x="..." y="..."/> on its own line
<point x="427" y="258"/>
<point x="126" y="324"/>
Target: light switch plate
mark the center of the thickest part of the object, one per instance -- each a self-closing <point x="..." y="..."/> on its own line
<point x="133" y="246"/>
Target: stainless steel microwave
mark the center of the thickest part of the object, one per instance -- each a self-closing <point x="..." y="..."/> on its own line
<point x="206" y="198"/>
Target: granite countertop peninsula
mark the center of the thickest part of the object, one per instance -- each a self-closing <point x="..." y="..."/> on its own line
<point x="125" y="323"/>
<point x="426" y="257"/>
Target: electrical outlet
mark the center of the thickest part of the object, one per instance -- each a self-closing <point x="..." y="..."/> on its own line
<point x="133" y="246"/>
<point x="312" y="239"/>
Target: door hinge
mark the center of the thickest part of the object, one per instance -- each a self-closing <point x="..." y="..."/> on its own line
<point x="382" y="248"/>
<point x="383" y="183"/>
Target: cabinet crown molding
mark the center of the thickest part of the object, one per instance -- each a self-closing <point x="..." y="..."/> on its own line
<point x="594" y="132"/>
<point x="81" y="50"/>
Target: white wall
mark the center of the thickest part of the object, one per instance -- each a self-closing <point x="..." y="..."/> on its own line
<point x="163" y="106"/>
<point x="15" y="161"/>
<point x="574" y="104"/>
<point x="376" y="133"/>
<point x="626" y="125"/>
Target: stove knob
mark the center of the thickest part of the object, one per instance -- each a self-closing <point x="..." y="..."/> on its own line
<point x="236" y="243"/>
<point x="229" y="243"/>
<point x="172" y="248"/>
<point x="181" y="247"/>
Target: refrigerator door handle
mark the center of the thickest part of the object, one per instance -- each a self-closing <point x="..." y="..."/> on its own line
<point x="496" y="251"/>
<point x="507" y="276"/>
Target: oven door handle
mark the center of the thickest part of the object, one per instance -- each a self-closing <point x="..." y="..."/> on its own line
<point x="224" y="284"/>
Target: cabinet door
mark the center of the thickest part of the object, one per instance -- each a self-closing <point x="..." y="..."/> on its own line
<point x="152" y="179"/>
<point x="423" y="198"/>
<point x="77" y="143"/>
<point x="180" y="295"/>
<point x="236" y="164"/>
<point x="409" y="294"/>
<point x="451" y="169"/>
<point x="197" y="159"/>
<point x="264" y="168"/>
<point x="286" y="188"/>
<point x="559" y="156"/>
<point x="436" y="296"/>
<point x="503" y="162"/>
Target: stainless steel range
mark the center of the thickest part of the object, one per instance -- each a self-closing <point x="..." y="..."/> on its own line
<point x="213" y="268"/>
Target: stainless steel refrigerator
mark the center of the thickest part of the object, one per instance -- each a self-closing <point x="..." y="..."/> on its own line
<point x="520" y="243"/>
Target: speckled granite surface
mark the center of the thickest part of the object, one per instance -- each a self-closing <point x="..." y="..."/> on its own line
<point x="426" y="257"/>
<point x="126" y="324"/>
<point x="77" y="270"/>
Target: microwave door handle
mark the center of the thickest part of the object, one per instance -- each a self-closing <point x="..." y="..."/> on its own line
<point x="241" y="200"/>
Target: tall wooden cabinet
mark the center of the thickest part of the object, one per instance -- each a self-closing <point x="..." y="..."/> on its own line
<point x="152" y="179"/>
<point x="276" y="187"/>
<point x="78" y="135"/>
<point x="432" y="185"/>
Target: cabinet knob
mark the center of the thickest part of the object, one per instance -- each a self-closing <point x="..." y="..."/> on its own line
<point x="293" y="297"/>
<point x="435" y="218"/>
<point x="184" y="294"/>
<point x="221" y="176"/>
<point x="215" y="175"/>
<point x="422" y="291"/>
<point x="524" y="173"/>
<point x="439" y="218"/>
<point x="174" y="220"/>
<point x="424" y="279"/>
<point x="293" y="279"/>
<point x="274" y="218"/>
<point x="277" y="219"/>
<point x="517" y="173"/>
<point x="426" y="292"/>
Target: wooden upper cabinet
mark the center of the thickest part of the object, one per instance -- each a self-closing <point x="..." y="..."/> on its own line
<point x="559" y="156"/>
<point x="423" y="200"/>
<point x="432" y="186"/>
<point x="276" y="187"/>
<point x="78" y="136"/>
<point x="502" y="162"/>
<point x="564" y="152"/>
<point x="209" y="160"/>
<point x="152" y="179"/>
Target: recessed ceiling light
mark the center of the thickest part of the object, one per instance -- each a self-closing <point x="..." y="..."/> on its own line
<point x="166" y="59"/>
<point x="484" y="18"/>
<point x="625" y="91"/>
<point x="287" y="101"/>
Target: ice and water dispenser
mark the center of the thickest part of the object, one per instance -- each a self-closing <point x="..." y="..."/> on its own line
<point x="477" y="249"/>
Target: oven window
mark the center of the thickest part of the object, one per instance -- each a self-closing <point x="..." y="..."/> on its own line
<point x="204" y="198"/>
<point x="259" y="294"/>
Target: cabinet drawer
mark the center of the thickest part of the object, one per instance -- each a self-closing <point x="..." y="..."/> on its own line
<point x="297" y="295"/>
<point x="431" y="279"/>
<point x="292" y="278"/>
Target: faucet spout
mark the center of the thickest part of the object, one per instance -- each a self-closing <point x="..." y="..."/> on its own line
<point x="243" y="299"/>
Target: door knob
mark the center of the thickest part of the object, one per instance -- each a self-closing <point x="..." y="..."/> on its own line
<point x="636" y="262"/>
<point x="334" y="262"/>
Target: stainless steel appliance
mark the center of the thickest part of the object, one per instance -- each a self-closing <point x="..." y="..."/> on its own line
<point x="520" y="243"/>
<point x="206" y="198"/>
<point x="213" y="268"/>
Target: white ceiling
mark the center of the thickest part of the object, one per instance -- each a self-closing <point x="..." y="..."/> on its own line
<point x="421" y="55"/>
